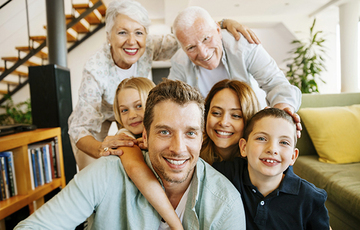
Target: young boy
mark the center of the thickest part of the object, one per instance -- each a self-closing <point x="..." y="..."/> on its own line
<point x="273" y="196"/>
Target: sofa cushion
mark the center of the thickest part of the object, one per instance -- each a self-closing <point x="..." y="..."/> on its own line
<point x="335" y="132"/>
<point x="342" y="183"/>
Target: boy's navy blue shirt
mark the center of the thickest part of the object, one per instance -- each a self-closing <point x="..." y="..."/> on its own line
<point x="295" y="204"/>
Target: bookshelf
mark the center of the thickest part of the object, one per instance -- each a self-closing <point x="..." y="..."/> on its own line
<point x="18" y="144"/>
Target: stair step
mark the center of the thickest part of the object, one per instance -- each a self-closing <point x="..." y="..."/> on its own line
<point x="3" y="92"/>
<point x="81" y="27"/>
<point x="9" y="82"/>
<point x="39" y="39"/>
<point x="41" y="54"/>
<point x="101" y="9"/>
<point x="15" y="59"/>
<point x="71" y="35"/>
<point x="93" y="18"/>
<point x="16" y="72"/>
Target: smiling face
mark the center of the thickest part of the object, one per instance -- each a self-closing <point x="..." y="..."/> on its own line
<point x="127" y="40"/>
<point x="225" y="122"/>
<point x="174" y="140"/>
<point x="270" y="148"/>
<point x="131" y="110"/>
<point x="202" y="43"/>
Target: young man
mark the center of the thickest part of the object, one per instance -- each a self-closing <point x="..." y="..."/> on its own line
<point x="173" y="124"/>
<point x="274" y="197"/>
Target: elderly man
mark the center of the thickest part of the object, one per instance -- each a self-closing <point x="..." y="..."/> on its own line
<point x="210" y="55"/>
<point x="173" y="133"/>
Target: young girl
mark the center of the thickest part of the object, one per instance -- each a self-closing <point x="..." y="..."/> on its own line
<point x="129" y="105"/>
<point x="129" y="108"/>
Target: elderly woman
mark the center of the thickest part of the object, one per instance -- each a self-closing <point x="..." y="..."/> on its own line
<point x="129" y="51"/>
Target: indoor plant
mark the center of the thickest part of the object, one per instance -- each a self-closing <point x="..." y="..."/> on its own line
<point x="16" y="113"/>
<point x="307" y="62"/>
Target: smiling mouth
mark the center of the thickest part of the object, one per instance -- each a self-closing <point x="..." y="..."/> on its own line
<point x="270" y="161"/>
<point x="135" y="123"/>
<point x="131" y="51"/>
<point x="175" y="162"/>
<point x="207" y="59"/>
<point x="223" y="133"/>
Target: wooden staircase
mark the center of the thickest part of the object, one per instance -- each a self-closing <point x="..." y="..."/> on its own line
<point x="86" y="20"/>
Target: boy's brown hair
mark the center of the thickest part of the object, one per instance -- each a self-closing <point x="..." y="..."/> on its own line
<point x="269" y="112"/>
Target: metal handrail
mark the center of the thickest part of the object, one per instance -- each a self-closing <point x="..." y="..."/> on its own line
<point x="5" y="4"/>
<point x="42" y="45"/>
<point x="28" y="25"/>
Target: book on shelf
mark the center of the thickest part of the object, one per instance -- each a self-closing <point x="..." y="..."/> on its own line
<point x="45" y="161"/>
<point x="31" y="158"/>
<point x="5" y="177"/>
<point x="10" y="171"/>
<point x="55" y="161"/>
<point x="2" y="185"/>
<point x="58" y="168"/>
<point x="38" y="157"/>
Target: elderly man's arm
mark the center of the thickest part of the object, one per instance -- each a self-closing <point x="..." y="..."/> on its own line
<point x="235" y="27"/>
<point x="279" y="92"/>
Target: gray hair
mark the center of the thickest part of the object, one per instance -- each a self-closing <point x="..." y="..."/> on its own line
<point x="132" y="9"/>
<point x="187" y="18"/>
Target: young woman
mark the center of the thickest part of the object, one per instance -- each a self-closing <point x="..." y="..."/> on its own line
<point x="228" y="107"/>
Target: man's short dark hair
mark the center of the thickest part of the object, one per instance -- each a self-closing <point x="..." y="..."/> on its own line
<point x="174" y="91"/>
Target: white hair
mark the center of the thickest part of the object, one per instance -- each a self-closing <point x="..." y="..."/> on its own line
<point x="187" y="18"/>
<point x="132" y="9"/>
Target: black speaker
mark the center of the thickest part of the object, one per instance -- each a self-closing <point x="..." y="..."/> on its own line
<point x="51" y="106"/>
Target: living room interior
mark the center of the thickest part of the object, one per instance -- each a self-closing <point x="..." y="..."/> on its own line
<point x="276" y="23"/>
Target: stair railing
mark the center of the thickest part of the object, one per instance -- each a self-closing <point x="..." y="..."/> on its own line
<point x="33" y="51"/>
<point x="5" y="3"/>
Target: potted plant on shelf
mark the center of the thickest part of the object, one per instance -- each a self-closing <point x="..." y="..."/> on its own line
<point x="16" y="113"/>
<point x="307" y="62"/>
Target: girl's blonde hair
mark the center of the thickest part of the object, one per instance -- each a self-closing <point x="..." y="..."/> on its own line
<point x="141" y="84"/>
<point x="249" y="106"/>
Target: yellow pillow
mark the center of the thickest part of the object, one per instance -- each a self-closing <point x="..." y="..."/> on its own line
<point x="335" y="132"/>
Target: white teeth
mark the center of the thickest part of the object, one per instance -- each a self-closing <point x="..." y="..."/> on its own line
<point x="224" y="133"/>
<point x="207" y="59"/>
<point x="270" y="161"/>
<point x="130" y="50"/>
<point x="176" y="162"/>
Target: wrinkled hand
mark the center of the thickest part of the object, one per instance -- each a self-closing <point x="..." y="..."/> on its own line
<point x="234" y="27"/>
<point x="297" y="121"/>
<point x="112" y="143"/>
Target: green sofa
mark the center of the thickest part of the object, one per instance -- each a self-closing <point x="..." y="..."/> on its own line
<point x="341" y="181"/>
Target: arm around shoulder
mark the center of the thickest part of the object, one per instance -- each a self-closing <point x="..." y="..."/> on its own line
<point x="145" y="180"/>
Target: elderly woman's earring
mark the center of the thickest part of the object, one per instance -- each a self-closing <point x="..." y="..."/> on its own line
<point x="109" y="45"/>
